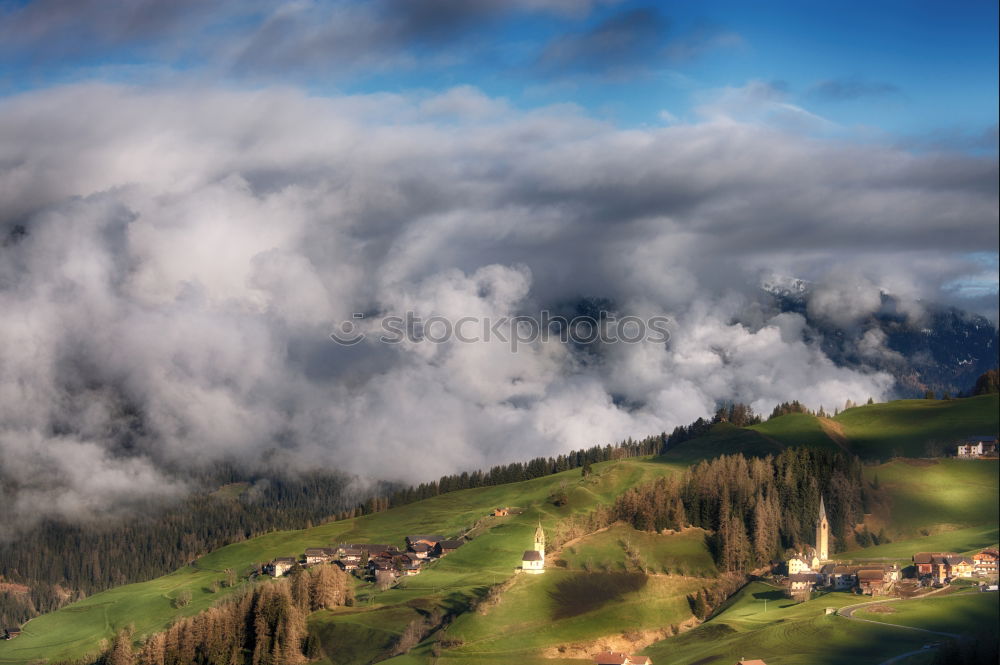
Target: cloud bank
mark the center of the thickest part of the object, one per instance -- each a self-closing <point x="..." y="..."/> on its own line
<point x="175" y="259"/>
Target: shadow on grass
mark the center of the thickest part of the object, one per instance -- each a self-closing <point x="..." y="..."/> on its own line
<point x="776" y="594"/>
<point x="580" y="594"/>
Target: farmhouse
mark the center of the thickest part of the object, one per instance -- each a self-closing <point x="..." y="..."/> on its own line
<point x="429" y="540"/>
<point x="11" y="633"/>
<point x="977" y="446"/>
<point x="618" y="658"/>
<point x="348" y="566"/>
<point x="798" y="565"/>
<point x="447" y="547"/>
<point x="421" y="550"/>
<point x="501" y="512"/>
<point x="933" y="564"/>
<point x="840" y="578"/>
<point x="379" y="549"/>
<point x="960" y="566"/>
<point x="351" y="553"/>
<point x="279" y="566"/>
<point x="986" y="562"/>
<point x="941" y="566"/>
<point x="315" y="555"/>
<point x="802" y="584"/>
<point x="877" y="580"/>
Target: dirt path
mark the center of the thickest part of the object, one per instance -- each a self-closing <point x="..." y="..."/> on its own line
<point x="836" y="433"/>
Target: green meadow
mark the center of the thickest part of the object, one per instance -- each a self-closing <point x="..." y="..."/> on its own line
<point x="784" y="633"/>
<point x="682" y="553"/>
<point x="959" y="613"/>
<point x="907" y="428"/>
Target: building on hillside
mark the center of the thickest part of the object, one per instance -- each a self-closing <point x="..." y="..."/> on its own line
<point x="427" y="539"/>
<point x="351" y="555"/>
<point x="798" y="565"/>
<point x="800" y="585"/>
<point x="877" y="580"/>
<point x="619" y="658"/>
<point x="315" y="555"/>
<point x="942" y="566"/>
<point x="969" y="450"/>
<point x="533" y="561"/>
<point x="751" y="662"/>
<point x="11" y="633"/>
<point x="822" y="533"/>
<point x="446" y="547"/>
<point x="279" y="566"/>
<point x="986" y="562"/>
<point x="379" y="549"/>
<point x="932" y="564"/>
<point x="838" y="577"/>
<point x="977" y="446"/>
<point x="381" y="564"/>
<point x="421" y="550"/>
<point x="501" y="512"/>
<point x="961" y="566"/>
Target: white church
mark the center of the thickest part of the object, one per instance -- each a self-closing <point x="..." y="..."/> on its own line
<point x="533" y="561"/>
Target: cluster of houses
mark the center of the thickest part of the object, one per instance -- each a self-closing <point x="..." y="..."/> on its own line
<point x="807" y="573"/>
<point x="813" y="570"/>
<point x="867" y="579"/>
<point x="369" y="559"/>
<point x="941" y="567"/>
<point x="977" y="446"/>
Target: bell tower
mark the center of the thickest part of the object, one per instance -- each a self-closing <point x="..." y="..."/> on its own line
<point x="822" y="533"/>
<point x="540" y="540"/>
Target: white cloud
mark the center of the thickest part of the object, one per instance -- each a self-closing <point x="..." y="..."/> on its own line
<point x="188" y="250"/>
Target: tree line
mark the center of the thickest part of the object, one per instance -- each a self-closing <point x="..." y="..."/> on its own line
<point x="757" y="508"/>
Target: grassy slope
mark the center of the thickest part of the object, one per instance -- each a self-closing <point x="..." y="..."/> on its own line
<point x="949" y="505"/>
<point x="797" y="429"/>
<point x="877" y="431"/>
<point x="905" y="427"/>
<point x="787" y="633"/>
<point x="956" y="613"/>
<point x="683" y="553"/>
<point x="528" y="617"/>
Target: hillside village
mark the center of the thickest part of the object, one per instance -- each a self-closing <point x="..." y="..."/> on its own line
<point x="378" y="562"/>
<point x="814" y="570"/>
<point x="534" y="544"/>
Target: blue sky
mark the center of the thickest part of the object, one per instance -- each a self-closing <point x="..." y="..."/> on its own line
<point x="923" y="72"/>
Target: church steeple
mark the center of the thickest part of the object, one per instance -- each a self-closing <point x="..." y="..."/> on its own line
<point x="540" y="539"/>
<point x="822" y="533"/>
